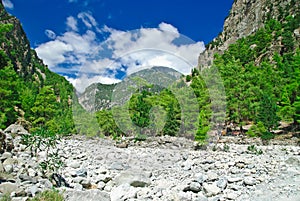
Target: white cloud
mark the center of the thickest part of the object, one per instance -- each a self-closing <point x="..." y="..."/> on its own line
<point x="50" y="34"/>
<point x="8" y="4"/>
<point x="53" y="52"/>
<point x="101" y="61"/>
<point x="87" y="19"/>
<point x="72" y="23"/>
<point x="80" y="83"/>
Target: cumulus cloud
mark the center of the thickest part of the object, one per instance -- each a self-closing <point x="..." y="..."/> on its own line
<point x="96" y="60"/>
<point x="50" y="34"/>
<point x="8" y="4"/>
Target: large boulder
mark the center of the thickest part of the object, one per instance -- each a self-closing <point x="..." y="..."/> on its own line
<point x="16" y="129"/>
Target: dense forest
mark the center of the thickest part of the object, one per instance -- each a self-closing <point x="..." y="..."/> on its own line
<point x="261" y="77"/>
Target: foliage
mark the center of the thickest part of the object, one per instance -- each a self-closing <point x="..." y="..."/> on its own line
<point x="5" y="197"/>
<point x="256" y="130"/>
<point x="48" y="195"/>
<point x="188" y="78"/>
<point x="253" y="150"/>
<point x="29" y="90"/>
<point x="261" y="81"/>
<point x="44" y="140"/>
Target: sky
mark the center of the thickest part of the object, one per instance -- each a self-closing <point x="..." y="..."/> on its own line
<point x="104" y="40"/>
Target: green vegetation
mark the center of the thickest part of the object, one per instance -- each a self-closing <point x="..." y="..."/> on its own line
<point x="262" y="79"/>
<point x="30" y="93"/>
<point x="44" y="140"/>
<point x="49" y="195"/>
<point x="253" y="150"/>
<point x="5" y="198"/>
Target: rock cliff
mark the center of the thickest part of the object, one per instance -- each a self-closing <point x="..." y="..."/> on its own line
<point x="245" y="18"/>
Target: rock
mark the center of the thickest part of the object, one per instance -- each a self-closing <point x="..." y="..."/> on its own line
<point x="81" y="173"/>
<point x="74" y="164"/>
<point x="200" y="178"/>
<point x="212" y="176"/>
<point x="211" y="189"/>
<point x="32" y="172"/>
<point x="231" y="195"/>
<point x="8" y="168"/>
<point x="234" y="179"/>
<point x="89" y="195"/>
<point x="187" y="165"/>
<point x="86" y="183"/>
<point x="134" y="178"/>
<point x="101" y="185"/>
<point x="117" y="166"/>
<point x="33" y="190"/>
<point x="103" y="178"/>
<point x="195" y="187"/>
<point x="6" y="155"/>
<point x="123" y="192"/>
<point x="222" y="183"/>
<point x="293" y="161"/>
<point x="46" y="183"/>
<point x="16" y="129"/>
<point x="8" y="187"/>
<point x="122" y="145"/>
<point x="250" y="181"/>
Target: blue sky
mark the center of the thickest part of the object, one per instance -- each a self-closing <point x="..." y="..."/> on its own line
<point x="102" y="40"/>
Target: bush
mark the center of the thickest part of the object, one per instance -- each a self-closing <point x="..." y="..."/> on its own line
<point x="140" y="137"/>
<point x="188" y="78"/>
<point x="252" y="149"/>
<point x="257" y="130"/>
<point x="49" y="195"/>
<point x="44" y="140"/>
<point x="5" y="198"/>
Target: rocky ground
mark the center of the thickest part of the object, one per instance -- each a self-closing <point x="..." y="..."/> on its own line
<point x="164" y="168"/>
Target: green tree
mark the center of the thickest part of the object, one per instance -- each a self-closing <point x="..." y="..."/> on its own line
<point x="267" y="113"/>
<point x="44" y="109"/>
<point x="8" y="95"/>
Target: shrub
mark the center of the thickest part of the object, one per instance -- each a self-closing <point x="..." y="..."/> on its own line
<point x="5" y="197"/>
<point x="140" y="137"/>
<point x="252" y="149"/>
<point x="49" y="195"/>
<point x="188" y="78"/>
<point x="44" y="140"/>
<point x="257" y="130"/>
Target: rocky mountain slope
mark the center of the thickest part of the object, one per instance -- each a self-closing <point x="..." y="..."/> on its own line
<point x="245" y="18"/>
<point x="98" y="96"/>
<point x="32" y="94"/>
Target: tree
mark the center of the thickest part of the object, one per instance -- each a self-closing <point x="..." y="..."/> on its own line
<point x="9" y="95"/>
<point x="267" y="113"/>
<point x="44" y="109"/>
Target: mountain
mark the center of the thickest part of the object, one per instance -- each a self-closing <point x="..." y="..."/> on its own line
<point x="245" y="18"/>
<point x="98" y="96"/>
<point x="30" y="93"/>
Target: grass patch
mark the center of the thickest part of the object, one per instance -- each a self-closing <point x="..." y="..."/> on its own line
<point x="49" y="195"/>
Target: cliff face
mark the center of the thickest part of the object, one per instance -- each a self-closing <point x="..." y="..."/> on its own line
<point x="245" y="18"/>
<point x="18" y="49"/>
